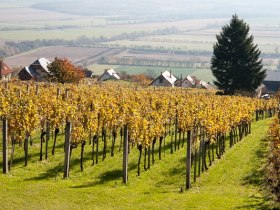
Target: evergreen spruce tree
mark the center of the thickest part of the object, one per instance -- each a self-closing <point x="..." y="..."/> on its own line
<point x="235" y="62"/>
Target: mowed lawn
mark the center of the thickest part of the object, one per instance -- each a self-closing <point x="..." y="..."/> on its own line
<point x="233" y="182"/>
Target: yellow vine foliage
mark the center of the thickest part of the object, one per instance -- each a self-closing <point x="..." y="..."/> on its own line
<point x="147" y="112"/>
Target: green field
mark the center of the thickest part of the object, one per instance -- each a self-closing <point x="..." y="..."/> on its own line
<point x="193" y="34"/>
<point x="203" y="74"/>
<point x="234" y="182"/>
<point x="67" y="34"/>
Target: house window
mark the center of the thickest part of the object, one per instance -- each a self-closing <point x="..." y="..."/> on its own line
<point x="161" y="80"/>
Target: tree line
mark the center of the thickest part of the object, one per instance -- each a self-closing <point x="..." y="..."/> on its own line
<point x="14" y="47"/>
<point x="113" y="60"/>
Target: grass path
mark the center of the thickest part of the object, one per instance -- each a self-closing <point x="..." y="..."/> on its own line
<point x="236" y="180"/>
<point x="233" y="182"/>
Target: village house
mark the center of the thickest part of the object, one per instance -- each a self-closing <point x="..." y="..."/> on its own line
<point x="109" y="74"/>
<point x="270" y="84"/>
<point x="193" y="82"/>
<point x="88" y="73"/>
<point x="205" y="85"/>
<point x="5" y="72"/>
<point x="187" y="82"/>
<point x="37" y="71"/>
<point x="272" y="81"/>
<point x="165" y="79"/>
<point x="257" y="93"/>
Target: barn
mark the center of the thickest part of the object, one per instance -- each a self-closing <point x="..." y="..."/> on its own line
<point x="37" y="71"/>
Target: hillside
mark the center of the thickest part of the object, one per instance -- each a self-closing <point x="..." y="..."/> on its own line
<point x="163" y="9"/>
<point x="234" y="182"/>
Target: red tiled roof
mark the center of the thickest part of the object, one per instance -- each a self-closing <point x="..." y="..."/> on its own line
<point x="5" y="69"/>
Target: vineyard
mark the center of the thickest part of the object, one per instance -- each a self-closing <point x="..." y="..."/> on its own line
<point x="273" y="165"/>
<point x="115" y="118"/>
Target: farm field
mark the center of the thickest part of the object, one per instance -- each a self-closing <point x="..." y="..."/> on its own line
<point x="61" y="33"/>
<point x="196" y="34"/>
<point x="192" y="34"/>
<point x="195" y="37"/>
<point x="88" y="57"/>
<point x="234" y="182"/>
<point x="77" y="55"/>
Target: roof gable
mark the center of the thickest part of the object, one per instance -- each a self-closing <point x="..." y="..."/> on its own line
<point x="42" y="62"/>
<point x="5" y="69"/>
<point x="169" y="77"/>
<point x="112" y="73"/>
<point x="206" y="85"/>
<point x="188" y="79"/>
<point x="30" y="71"/>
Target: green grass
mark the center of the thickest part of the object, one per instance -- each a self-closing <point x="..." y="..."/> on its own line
<point x="155" y="71"/>
<point x="233" y="182"/>
<point x="67" y="34"/>
<point x="203" y="74"/>
<point x="98" y="69"/>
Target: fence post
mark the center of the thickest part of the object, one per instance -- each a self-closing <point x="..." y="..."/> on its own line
<point x="125" y="155"/>
<point x="5" y="146"/>
<point x="67" y="150"/>
<point x="188" y="161"/>
<point x="48" y="133"/>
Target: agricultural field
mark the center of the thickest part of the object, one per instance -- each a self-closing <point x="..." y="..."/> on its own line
<point x="192" y="35"/>
<point x="89" y="57"/>
<point x="77" y="55"/>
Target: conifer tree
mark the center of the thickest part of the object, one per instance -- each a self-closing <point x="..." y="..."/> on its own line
<point x="236" y="62"/>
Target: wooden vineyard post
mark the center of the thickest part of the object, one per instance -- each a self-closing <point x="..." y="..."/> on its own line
<point x="57" y="93"/>
<point x="26" y="149"/>
<point x="48" y="133"/>
<point x="67" y="150"/>
<point x="188" y="161"/>
<point x="37" y="89"/>
<point x="5" y="146"/>
<point x="125" y="155"/>
<point x="176" y="130"/>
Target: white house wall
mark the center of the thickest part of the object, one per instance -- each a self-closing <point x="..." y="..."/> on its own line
<point x="107" y="76"/>
<point x="187" y="83"/>
<point x="164" y="83"/>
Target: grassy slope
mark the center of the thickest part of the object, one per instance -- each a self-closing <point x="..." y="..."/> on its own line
<point x="233" y="182"/>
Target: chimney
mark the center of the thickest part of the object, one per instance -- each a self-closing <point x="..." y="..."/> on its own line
<point x="170" y="73"/>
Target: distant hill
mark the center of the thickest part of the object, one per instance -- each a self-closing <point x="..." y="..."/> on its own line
<point x="163" y="8"/>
